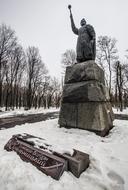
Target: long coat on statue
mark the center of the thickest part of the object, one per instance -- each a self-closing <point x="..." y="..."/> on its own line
<point x="86" y="45"/>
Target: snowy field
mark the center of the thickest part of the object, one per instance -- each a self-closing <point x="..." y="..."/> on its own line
<point x="125" y="111"/>
<point x="108" y="168"/>
<point x="19" y="112"/>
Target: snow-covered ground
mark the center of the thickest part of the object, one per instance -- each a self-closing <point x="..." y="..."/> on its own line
<point x="125" y="111"/>
<point x="17" y="112"/>
<point x="108" y="168"/>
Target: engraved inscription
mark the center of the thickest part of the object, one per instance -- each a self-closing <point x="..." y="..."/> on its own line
<point x="47" y="163"/>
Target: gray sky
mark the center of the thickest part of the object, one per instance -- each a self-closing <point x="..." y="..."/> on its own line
<point x="46" y="24"/>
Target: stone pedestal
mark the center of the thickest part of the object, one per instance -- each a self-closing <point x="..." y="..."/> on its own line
<point x="85" y="100"/>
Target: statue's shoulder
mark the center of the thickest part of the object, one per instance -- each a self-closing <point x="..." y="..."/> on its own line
<point x="89" y="27"/>
<point x="90" y="30"/>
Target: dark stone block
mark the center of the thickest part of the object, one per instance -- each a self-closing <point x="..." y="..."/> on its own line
<point x="85" y="71"/>
<point x="85" y="100"/>
<point x="84" y="92"/>
<point x="93" y="116"/>
<point x="68" y="115"/>
<point x="77" y="163"/>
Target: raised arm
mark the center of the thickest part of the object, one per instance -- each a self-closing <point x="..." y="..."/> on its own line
<point x="74" y="29"/>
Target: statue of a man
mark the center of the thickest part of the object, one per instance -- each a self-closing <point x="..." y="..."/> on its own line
<point x="86" y="43"/>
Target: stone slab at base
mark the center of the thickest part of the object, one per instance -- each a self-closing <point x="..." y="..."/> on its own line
<point x="85" y="91"/>
<point x="84" y="71"/>
<point x="93" y="116"/>
<point x="77" y="163"/>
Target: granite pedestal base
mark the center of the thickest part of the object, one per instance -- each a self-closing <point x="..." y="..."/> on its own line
<point x="85" y="100"/>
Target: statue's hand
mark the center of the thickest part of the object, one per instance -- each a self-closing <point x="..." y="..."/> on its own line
<point x="69" y="7"/>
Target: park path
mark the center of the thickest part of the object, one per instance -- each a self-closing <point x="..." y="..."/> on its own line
<point x="121" y="116"/>
<point x="9" y="122"/>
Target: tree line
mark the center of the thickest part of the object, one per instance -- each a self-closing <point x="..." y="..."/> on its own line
<point x="24" y="78"/>
<point x="116" y="71"/>
<point x="25" y="82"/>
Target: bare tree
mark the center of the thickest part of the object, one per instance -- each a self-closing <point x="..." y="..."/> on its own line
<point x="68" y="59"/>
<point x="8" y="42"/>
<point x="126" y="54"/>
<point x="126" y="65"/>
<point x="18" y="68"/>
<point x="23" y="76"/>
<point x="107" y="54"/>
<point x="121" y="84"/>
<point x="14" y="70"/>
<point x="36" y="71"/>
<point x="53" y="93"/>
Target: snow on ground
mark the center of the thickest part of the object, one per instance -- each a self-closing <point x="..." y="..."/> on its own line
<point x="108" y="168"/>
<point x="18" y="112"/>
<point x="116" y="110"/>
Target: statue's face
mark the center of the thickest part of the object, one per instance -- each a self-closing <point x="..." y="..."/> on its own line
<point x="83" y="22"/>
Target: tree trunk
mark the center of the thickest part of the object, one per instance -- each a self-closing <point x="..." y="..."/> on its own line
<point x="0" y="86"/>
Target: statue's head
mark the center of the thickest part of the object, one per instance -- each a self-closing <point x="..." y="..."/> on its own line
<point x="83" y="22"/>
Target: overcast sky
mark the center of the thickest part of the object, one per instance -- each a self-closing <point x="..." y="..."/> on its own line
<point x="46" y="24"/>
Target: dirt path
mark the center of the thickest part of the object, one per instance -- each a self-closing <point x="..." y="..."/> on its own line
<point x="121" y="116"/>
<point x="18" y="120"/>
<point x="9" y="122"/>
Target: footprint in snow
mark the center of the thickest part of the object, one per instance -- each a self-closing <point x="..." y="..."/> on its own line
<point x="115" y="177"/>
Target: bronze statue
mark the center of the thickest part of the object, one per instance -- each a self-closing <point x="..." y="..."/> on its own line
<point x="86" y="43"/>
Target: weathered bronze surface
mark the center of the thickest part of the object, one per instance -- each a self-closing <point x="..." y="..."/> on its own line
<point x="86" y="43"/>
<point x="47" y="163"/>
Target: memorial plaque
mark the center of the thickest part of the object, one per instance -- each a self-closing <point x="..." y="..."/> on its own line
<point x="36" y="151"/>
<point x="47" y="163"/>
